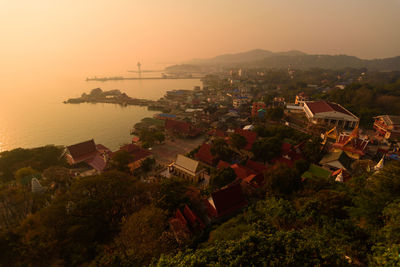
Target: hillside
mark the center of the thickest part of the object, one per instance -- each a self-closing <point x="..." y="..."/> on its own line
<point x="295" y="59"/>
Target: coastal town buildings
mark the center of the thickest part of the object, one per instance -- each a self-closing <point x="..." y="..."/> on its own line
<point x="181" y="128"/>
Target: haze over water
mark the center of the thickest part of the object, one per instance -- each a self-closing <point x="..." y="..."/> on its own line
<point x="32" y="113"/>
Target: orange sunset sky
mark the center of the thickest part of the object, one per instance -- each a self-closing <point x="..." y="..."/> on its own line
<point x="60" y="36"/>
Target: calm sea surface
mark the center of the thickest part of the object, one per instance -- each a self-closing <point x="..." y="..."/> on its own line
<point x="32" y="113"/>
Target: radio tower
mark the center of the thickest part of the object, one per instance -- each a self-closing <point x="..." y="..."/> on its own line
<point x="138" y="66"/>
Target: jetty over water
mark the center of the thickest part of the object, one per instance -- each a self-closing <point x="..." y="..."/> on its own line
<point x="104" y="79"/>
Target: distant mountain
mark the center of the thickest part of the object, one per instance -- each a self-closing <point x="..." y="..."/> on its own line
<point x="295" y="59"/>
<point x="244" y="57"/>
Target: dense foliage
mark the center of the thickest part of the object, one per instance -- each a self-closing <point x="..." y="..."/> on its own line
<point x="318" y="223"/>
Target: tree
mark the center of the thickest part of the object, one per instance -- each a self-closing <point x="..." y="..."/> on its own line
<point x="266" y="148"/>
<point x="379" y="190"/>
<point x="282" y="180"/>
<point x="171" y="195"/>
<point x="220" y="149"/>
<point x="24" y="175"/>
<point x="159" y="136"/>
<point x="75" y="225"/>
<point x="222" y="177"/>
<point x="121" y="159"/>
<point x="275" y="114"/>
<point x="312" y="150"/>
<point x="56" y="177"/>
<point x="238" y="141"/>
<point x="147" y="164"/>
<point x="139" y="239"/>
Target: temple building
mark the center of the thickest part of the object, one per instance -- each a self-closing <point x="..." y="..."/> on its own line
<point x="94" y="155"/>
<point x="330" y="113"/>
<point x="187" y="168"/>
<point x="301" y="98"/>
<point x="352" y="144"/>
<point x="387" y="126"/>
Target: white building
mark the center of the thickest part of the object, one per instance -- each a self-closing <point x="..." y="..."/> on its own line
<point x="187" y="168"/>
<point x="330" y="113"/>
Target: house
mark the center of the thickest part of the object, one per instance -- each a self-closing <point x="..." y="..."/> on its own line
<point x="301" y="98"/>
<point x="256" y="108"/>
<point x="250" y="136"/>
<point x="255" y="166"/>
<point x="239" y="101"/>
<point x="181" y="128"/>
<point x="352" y="144"/>
<point x="138" y="155"/>
<point x="252" y="173"/>
<point x="88" y="152"/>
<point x="225" y="202"/>
<point x="164" y="116"/>
<point x="279" y="102"/>
<point x="204" y="155"/>
<point x="195" y="223"/>
<point x="330" y="113"/>
<point x="336" y="160"/>
<point x="179" y="227"/>
<point x="217" y="133"/>
<point x="184" y="224"/>
<point x="187" y="168"/>
<point x="387" y="126"/>
<point x="289" y="154"/>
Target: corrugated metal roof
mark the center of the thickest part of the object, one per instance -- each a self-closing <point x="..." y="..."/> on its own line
<point x="186" y="163"/>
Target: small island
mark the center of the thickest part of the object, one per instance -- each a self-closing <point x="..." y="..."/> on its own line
<point x="97" y="95"/>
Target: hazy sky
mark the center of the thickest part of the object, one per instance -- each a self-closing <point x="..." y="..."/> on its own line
<point x="99" y="36"/>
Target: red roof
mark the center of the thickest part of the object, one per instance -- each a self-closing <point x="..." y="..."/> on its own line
<point x="290" y="154"/>
<point x="103" y="149"/>
<point x="228" y="200"/>
<point x="240" y="171"/>
<point x="217" y="132"/>
<point x="194" y="221"/>
<point x="255" y="180"/>
<point x="97" y="162"/>
<point x="323" y="106"/>
<point x="180" y="217"/>
<point x="256" y="166"/>
<point x="181" y="127"/>
<point x="222" y="165"/>
<point x="351" y="144"/>
<point x="137" y="152"/>
<point x="82" y="150"/>
<point x="204" y="154"/>
<point x="250" y="136"/>
<point x="286" y="148"/>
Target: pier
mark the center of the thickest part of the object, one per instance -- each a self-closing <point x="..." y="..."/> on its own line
<point x="104" y="79"/>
